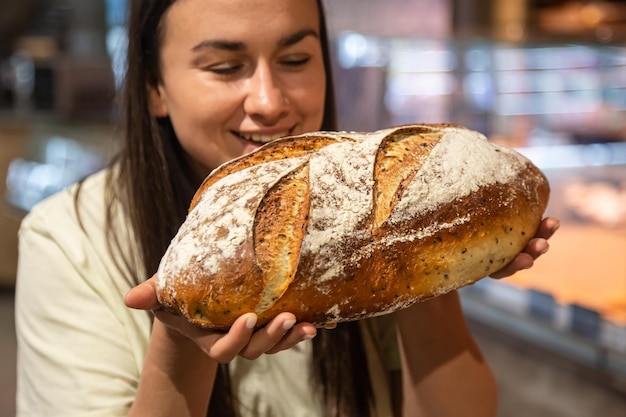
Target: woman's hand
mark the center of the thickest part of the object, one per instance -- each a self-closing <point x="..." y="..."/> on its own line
<point x="536" y="247"/>
<point x="279" y="334"/>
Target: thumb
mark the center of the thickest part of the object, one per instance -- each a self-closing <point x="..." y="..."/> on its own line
<point x="143" y="296"/>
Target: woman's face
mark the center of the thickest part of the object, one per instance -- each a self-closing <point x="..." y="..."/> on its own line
<point x="239" y="73"/>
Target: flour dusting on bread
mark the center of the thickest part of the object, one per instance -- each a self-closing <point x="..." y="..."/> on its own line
<point x="461" y="163"/>
<point x="382" y="220"/>
<point x="213" y="233"/>
<point x="341" y="199"/>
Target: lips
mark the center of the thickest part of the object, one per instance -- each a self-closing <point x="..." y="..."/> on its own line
<point x="261" y="137"/>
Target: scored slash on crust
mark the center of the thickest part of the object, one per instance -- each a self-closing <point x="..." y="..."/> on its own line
<point x="281" y="219"/>
<point x="399" y="158"/>
<point x="279" y="228"/>
<point x="416" y="229"/>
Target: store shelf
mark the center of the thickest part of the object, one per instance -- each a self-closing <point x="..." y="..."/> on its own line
<point x="577" y="156"/>
<point x="585" y="340"/>
<point x="563" y="105"/>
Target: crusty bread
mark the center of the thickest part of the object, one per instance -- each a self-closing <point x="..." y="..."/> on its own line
<point x="338" y="226"/>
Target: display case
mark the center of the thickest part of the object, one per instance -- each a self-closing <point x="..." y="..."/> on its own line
<point x="564" y="107"/>
<point x="573" y="300"/>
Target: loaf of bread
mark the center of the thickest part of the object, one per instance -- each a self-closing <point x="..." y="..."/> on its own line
<point x="339" y="226"/>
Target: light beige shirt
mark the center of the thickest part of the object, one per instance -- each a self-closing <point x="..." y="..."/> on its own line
<point x="81" y="350"/>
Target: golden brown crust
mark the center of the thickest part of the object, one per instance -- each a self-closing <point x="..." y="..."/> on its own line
<point x="289" y="147"/>
<point x="279" y="228"/>
<point x="399" y="158"/>
<point x="398" y="275"/>
<point x="305" y="252"/>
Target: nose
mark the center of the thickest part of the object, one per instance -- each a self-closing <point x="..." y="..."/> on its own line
<point x="265" y="100"/>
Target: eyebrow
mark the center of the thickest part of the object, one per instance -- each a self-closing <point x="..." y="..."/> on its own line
<point x="234" y="46"/>
<point x="297" y="37"/>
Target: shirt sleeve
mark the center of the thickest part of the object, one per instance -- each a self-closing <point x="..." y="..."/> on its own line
<point x="80" y="350"/>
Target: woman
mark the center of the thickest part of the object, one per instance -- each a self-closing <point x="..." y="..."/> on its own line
<point x="207" y="81"/>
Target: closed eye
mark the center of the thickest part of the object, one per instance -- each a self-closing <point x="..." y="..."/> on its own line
<point x="295" y="62"/>
<point x="225" y="69"/>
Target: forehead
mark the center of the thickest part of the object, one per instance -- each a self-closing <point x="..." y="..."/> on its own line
<point x="247" y="21"/>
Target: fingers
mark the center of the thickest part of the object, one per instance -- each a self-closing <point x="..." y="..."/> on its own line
<point x="279" y="334"/>
<point x="521" y="261"/>
<point x="219" y="346"/>
<point x="242" y="340"/>
<point x="299" y="333"/>
<point x="536" y="247"/>
<point x="525" y="260"/>
<point x="228" y="345"/>
<point x="143" y="296"/>
<point x="548" y="227"/>
<point x="270" y="335"/>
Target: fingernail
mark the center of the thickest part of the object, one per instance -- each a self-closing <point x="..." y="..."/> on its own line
<point x="308" y="336"/>
<point x="288" y="324"/>
<point x="251" y="321"/>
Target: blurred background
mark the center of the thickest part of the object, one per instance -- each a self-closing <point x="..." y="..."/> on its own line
<point x="547" y="77"/>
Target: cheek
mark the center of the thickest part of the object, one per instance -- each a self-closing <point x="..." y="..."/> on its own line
<point x="311" y="102"/>
<point x="199" y="121"/>
<point x="190" y="95"/>
<point x="315" y="114"/>
<point x="200" y="112"/>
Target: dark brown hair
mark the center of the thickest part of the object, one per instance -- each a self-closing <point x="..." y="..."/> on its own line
<point x="155" y="185"/>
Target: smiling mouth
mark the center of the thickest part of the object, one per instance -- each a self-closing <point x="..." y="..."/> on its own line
<point x="261" y="138"/>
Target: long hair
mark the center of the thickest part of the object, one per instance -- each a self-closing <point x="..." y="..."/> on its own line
<point x="156" y="185"/>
